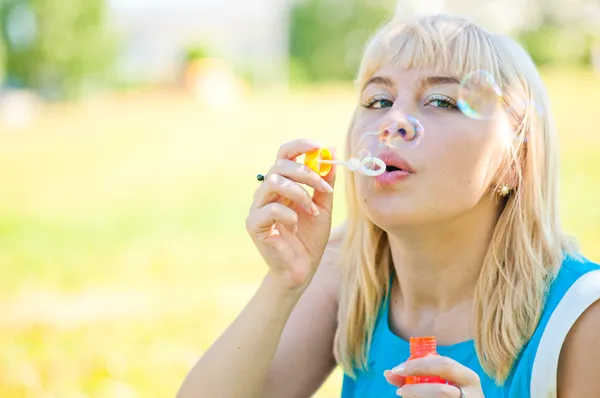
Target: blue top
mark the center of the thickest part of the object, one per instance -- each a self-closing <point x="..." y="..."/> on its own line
<point x="388" y="350"/>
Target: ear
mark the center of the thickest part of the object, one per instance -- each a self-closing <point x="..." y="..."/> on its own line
<point x="506" y="180"/>
<point x="506" y="173"/>
<point x="511" y="178"/>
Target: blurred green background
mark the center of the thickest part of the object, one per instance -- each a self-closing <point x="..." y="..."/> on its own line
<point x="130" y="136"/>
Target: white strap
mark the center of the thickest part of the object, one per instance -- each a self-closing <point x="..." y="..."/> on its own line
<point x="583" y="293"/>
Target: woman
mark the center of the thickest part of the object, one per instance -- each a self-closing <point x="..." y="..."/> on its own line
<point x="465" y="244"/>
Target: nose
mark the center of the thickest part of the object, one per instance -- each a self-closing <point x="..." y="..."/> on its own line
<point x="399" y="132"/>
<point x="402" y="129"/>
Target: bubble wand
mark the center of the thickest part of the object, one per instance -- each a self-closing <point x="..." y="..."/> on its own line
<point x="396" y="135"/>
<point x="322" y="159"/>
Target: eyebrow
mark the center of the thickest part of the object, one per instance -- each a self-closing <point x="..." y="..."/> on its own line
<point x="423" y="82"/>
<point x="378" y="80"/>
<point x="437" y="81"/>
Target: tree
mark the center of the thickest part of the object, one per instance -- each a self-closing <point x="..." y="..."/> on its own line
<point x="57" y="47"/>
<point x="327" y="37"/>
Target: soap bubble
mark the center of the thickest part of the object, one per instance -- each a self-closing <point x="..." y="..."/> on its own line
<point x="363" y="153"/>
<point x="366" y="146"/>
<point x="362" y="159"/>
<point x="406" y="134"/>
<point x="479" y="96"/>
<point x="369" y="164"/>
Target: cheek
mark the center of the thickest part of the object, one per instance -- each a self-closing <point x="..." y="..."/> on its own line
<point x="463" y="161"/>
<point x="363" y="185"/>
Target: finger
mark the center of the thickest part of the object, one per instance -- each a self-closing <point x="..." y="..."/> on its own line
<point x="428" y="391"/>
<point x="300" y="173"/>
<point x="283" y="240"/>
<point x="294" y="244"/>
<point x="260" y="221"/>
<point x="324" y="199"/>
<point x="278" y="186"/>
<point x="394" y="379"/>
<point x="443" y="367"/>
<point x="292" y="149"/>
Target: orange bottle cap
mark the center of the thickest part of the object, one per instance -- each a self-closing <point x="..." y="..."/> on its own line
<point x="423" y="340"/>
<point x="422" y="346"/>
<point x="312" y="158"/>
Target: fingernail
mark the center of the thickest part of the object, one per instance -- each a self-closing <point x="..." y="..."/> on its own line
<point x="326" y="186"/>
<point x="314" y="209"/>
<point x="399" y="392"/>
<point x="398" y="369"/>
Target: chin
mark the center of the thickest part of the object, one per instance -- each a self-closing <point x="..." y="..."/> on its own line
<point x="393" y="212"/>
<point x="390" y="222"/>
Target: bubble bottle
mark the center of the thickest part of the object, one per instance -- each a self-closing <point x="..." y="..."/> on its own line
<point x="421" y="347"/>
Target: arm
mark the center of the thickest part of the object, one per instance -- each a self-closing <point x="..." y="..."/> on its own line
<point x="280" y="345"/>
<point x="304" y="357"/>
<point x="579" y="362"/>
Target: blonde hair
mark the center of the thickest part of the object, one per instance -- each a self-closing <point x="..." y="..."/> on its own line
<point x="528" y="244"/>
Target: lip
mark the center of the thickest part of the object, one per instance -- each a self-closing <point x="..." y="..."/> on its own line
<point x="393" y="159"/>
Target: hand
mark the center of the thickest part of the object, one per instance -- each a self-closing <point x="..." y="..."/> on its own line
<point x="288" y="226"/>
<point x="444" y="367"/>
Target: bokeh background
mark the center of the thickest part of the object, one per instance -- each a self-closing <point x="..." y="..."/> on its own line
<point x="131" y="132"/>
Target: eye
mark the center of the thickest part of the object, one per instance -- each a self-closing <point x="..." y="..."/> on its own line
<point x="378" y="103"/>
<point x="441" y="101"/>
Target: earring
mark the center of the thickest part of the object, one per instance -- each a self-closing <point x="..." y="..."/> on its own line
<point x="504" y="190"/>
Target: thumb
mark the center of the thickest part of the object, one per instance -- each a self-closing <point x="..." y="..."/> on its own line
<point x="323" y="199"/>
<point x="394" y="379"/>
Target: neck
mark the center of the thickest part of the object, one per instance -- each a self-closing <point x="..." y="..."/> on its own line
<point x="437" y="267"/>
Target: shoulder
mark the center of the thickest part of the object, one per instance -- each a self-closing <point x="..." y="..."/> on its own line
<point x="579" y="363"/>
<point x="575" y="288"/>
<point x="570" y="318"/>
<point x="573" y="278"/>
<point x="574" y="266"/>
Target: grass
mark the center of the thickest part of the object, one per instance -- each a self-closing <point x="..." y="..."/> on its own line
<point x="124" y="253"/>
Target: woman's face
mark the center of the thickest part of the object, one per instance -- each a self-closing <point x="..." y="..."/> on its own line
<point x="454" y="164"/>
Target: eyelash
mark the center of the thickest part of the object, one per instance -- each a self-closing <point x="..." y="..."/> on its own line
<point x="436" y="97"/>
<point x="373" y="100"/>
<point x="442" y="98"/>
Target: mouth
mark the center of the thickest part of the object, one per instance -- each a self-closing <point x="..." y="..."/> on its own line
<point x="395" y="162"/>
<point x="397" y="169"/>
<point x="390" y="169"/>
